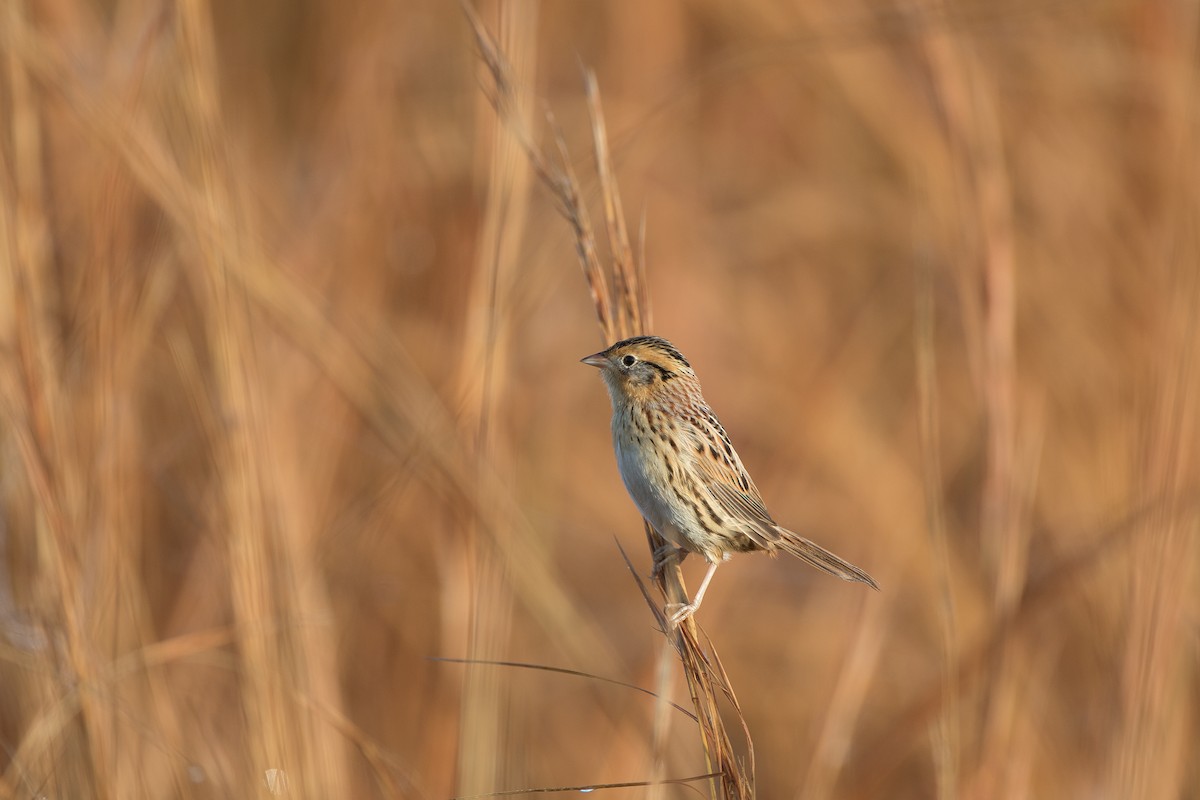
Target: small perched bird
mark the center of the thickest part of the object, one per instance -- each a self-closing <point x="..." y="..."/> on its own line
<point x="683" y="473"/>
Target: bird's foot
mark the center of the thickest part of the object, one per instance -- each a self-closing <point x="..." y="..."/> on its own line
<point x="663" y="556"/>
<point x="682" y="612"/>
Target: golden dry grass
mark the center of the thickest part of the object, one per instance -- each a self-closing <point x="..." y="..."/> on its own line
<point x="288" y="345"/>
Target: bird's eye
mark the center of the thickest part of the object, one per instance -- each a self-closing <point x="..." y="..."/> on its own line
<point x="629" y="360"/>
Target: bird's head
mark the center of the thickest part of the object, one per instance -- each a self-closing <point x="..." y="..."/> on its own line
<point x="641" y="368"/>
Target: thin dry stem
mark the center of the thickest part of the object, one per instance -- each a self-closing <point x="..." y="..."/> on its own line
<point x="560" y="179"/>
<point x="946" y="734"/>
<point x="974" y="139"/>
<point x="631" y="295"/>
<point x="480" y="587"/>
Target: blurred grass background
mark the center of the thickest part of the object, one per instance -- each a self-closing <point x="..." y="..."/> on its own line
<point x="291" y="399"/>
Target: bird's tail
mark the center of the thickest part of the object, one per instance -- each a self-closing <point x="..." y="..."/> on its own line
<point x="817" y="556"/>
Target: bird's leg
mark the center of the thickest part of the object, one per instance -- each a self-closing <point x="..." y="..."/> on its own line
<point x="663" y="555"/>
<point x="685" y="610"/>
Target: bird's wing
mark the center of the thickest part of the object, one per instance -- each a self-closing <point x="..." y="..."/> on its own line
<point x="729" y="485"/>
<point x="720" y="471"/>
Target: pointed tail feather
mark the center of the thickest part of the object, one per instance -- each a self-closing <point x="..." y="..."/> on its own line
<point x="817" y="556"/>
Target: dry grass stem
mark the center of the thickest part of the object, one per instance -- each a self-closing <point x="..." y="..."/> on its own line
<point x="945" y="733"/>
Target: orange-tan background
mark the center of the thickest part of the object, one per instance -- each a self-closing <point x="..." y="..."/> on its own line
<point x="291" y="401"/>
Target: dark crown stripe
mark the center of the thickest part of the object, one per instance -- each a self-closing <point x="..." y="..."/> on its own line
<point x="655" y="343"/>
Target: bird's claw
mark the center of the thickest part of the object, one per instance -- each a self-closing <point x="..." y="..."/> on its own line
<point x="682" y="612"/>
<point x="662" y="556"/>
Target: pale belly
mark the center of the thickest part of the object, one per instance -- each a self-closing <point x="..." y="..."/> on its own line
<point x="646" y="481"/>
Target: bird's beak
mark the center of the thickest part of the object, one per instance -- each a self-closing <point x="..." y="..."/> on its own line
<point x="596" y="360"/>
